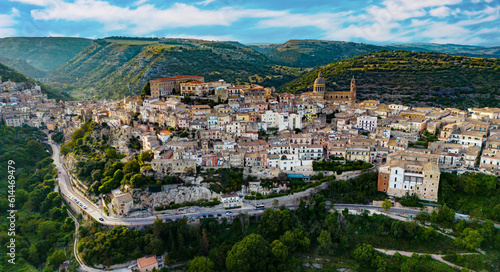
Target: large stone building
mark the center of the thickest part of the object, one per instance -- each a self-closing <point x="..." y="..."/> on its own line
<point x="412" y="177"/>
<point x="165" y="86"/>
<point x="319" y="90"/>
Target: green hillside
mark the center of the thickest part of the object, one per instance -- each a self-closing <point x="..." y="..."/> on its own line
<point x="416" y="78"/>
<point x="263" y="48"/>
<point x="455" y="49"/>
<point x="312" y="53"/>
<point x="10" y="74"/>
<point x="114" y="67"/>
<point x="42" y="53"/>
<point x="23" y="67"/>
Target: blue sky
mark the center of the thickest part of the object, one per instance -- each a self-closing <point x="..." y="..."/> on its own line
<point x="474" y="22"/>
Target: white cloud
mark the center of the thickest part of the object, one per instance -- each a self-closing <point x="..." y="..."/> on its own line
<point x="139" y="2"/>
<point x="7" y="21"/>
<point x="440" y="12"/>
<point x="146" y="18"/>
<point x="390" y="20"/>
<point x="51" y="34"/>
<point x="36" y="2"/>
<point x="202" y="37"/>
<point x="206" y="2"/>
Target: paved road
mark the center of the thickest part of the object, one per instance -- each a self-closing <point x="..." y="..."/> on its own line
<point x="96" y="213"/>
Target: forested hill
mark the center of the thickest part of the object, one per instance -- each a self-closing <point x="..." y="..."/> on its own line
<point x="312" y="53"/>
<point x="43" y="230"/>
<point x="44" y="54"/>
<point x="425" y="78"/>
<point x="455" y="49"/>
<point x="8" y="73"/>
<point x="113" y="67"/>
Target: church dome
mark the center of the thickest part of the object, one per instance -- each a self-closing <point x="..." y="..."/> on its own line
<point x="319" y="80"/>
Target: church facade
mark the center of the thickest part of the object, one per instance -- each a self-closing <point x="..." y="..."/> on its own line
<point x="319" y="91"/>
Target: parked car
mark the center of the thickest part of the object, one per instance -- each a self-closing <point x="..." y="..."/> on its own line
<point x="210" y="215"/>
<point x="100" y="218"/>
<point x="204" y="215"/>
<point x="229" y="213"/>
<point x="219" y="215"/>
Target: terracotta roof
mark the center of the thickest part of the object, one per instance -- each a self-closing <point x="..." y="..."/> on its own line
<point x="176" y="77"/>
<point x="146" y="261"/>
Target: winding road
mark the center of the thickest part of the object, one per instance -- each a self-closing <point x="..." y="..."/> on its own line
<point x="96" y="213"/>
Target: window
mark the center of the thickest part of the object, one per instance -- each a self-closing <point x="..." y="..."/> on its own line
<point x="394" y="185"/>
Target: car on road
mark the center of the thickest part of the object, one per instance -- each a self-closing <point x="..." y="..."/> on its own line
<point x="197" y="217"/>
<point x="191" y="217"/>
<point x="84" y="207"/>
<point x="219" y="215"/>
<point x="168" y="220"/>
<point x="204" y="215"/>
<point x="100" y="218"/>
<point x="229" y="213"/>
<point x="210" y="215"/>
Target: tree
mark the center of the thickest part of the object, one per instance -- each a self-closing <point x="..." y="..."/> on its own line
<point x="295" y="240"/>
<point x="472" y="239"/>
<point x="276" y="203"/>
<point x="131" y="167"/>
<point x="279" y="255"/>
<point x="325" y="241"/>
<point x="250" y="254"/>
<point x="387" y="204"/>
<point x="146" y="90"/>
<point x="111" y="153"/>
<point x="444" y="216"/>
<point x="200" y="264"/>
<point x="275" y="223"/>
<point x="146" y="156"/>
<point x="365" y="254"/>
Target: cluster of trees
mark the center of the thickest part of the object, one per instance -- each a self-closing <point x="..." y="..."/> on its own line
<point x="58" y="137"/>
<point x="225" y="180"/>
<point x="477" y="262"/>
<point x="470" y="234"/>
<point x="471" y="193"/>
<point x="276" y="242"/>
<point x="424" y="140"/>
<point x="340" y="167"/>
<point x="43" y="229"/>
<point x="362" y="189"/>
<point x="99" y="164"/>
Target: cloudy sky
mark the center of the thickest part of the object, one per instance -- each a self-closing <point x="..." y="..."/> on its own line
<point x="475" y="22"/>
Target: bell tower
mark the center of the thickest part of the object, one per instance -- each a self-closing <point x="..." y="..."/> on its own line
<point x="353" y="91"/>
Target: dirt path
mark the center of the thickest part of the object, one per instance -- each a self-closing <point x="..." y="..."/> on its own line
<point x="437" y="257"/>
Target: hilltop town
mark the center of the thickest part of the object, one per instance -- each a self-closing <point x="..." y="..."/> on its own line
<point x="189" y="125"/>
